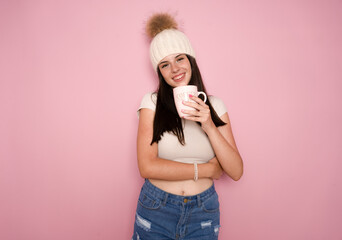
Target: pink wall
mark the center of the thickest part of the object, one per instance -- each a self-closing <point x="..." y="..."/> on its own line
<point x="72" y="74"/>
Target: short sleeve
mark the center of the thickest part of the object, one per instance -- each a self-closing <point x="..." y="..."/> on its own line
<point x="148" y="101"/>
<point x="218" y="105"/>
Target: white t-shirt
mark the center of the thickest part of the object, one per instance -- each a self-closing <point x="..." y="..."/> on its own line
<point x="197" y="146"/>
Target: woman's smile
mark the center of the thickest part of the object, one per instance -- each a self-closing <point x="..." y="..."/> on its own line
<point x="179" y="77"/>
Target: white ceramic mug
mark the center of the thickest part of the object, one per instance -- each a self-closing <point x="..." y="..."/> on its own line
<point x="182" y="93"/>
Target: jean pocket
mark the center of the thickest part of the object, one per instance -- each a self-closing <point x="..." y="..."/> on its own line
<point x="211" y="204"/>
<point x="149" y="202"/>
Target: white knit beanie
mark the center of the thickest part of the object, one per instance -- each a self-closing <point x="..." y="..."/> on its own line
<point x="166" y="39"/>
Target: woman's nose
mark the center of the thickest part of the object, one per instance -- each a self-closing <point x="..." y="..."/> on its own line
<point x="174" y="68"/>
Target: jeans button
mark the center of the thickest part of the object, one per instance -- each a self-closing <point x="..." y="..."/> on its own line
<point x="185" y="200"/>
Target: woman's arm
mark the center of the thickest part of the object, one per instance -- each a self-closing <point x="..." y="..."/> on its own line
<point x="151" y="166"/>
<point x="221" y="138"/>
<point x="224" y="146"/>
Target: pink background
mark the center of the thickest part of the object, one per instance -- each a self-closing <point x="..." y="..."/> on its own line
<point x="72" y="74"/>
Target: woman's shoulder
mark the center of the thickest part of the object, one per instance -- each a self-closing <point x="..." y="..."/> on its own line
<point x="213" y="98"/>
<point x="149" y="101"/>
<point x="218" y="105"/>
<point x="150" y="97"/>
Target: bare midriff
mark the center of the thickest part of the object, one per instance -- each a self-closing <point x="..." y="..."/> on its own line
<point x="184" y="187"/>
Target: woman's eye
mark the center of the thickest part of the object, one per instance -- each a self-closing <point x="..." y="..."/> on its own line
<point x="164" y="65"/>
<point x="180" y="59"/>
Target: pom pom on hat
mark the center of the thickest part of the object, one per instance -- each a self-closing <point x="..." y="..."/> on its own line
<point x="167" y="39"/>
<point x="159" y="22"/>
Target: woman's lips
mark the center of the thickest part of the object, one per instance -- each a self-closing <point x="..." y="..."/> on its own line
<point x="179" y="77"/>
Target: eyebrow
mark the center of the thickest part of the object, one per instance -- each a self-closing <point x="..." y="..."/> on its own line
<point x="167" y="61"/>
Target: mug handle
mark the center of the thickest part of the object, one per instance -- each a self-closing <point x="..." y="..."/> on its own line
<point x="204" y="95"/>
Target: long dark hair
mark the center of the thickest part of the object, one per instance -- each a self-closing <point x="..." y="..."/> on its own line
<point x="166" y="118"/>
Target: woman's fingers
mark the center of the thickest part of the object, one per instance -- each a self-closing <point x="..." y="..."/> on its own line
<point x="197" y="100"/>
<point x="195" y="112"/>
<point x="200" y="112"/>
<point x="199" y="106"/>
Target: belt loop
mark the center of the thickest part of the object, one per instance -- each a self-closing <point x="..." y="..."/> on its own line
<point x="199" y="200"/>
<point x="165" y="198"/>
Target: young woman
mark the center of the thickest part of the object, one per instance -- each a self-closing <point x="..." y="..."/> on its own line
<point x="180" y="158"/>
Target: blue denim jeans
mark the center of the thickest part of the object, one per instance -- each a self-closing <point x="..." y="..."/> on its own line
<point x="161" y="215"/>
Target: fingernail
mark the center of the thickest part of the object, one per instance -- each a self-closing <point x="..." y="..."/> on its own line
<point x="190" y="95"/>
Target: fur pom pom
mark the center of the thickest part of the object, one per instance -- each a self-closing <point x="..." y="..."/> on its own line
<point x="159" y="22"/>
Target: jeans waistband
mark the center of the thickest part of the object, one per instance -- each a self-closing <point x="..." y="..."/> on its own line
<point x="177" y="199"/>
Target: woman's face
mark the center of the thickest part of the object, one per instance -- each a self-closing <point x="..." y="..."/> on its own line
<point x="176" y="70"/>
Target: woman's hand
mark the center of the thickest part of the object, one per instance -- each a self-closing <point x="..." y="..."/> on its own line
<point x="217" y="173"/>
<point x="201" y="112"/>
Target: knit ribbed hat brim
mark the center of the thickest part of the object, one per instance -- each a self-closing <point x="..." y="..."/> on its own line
<point x="167" y="42"/>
